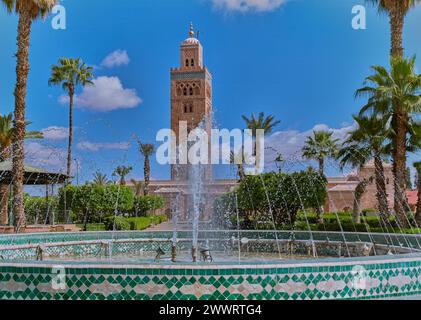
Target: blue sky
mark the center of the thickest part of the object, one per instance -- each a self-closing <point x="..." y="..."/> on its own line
<point x="299" y="60"/>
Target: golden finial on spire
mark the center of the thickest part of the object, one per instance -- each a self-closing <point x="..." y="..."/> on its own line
<point x="191" y="33"/>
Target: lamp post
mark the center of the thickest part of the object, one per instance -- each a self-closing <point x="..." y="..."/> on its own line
<point x="77" y="171"/>
<point x="278" y="160"/>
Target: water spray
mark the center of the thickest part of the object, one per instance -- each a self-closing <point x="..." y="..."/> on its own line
<point x="174" y="252"/>
<point x="194" y="254"/>
<point x="159" y="254"/>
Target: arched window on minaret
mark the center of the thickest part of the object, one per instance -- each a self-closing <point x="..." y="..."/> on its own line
<point x="191" y="108"/>
<point x="187" y="62"/>
<point x="185" y="91"/>
<point x="191" y="91"/>
<point x="192" y="62"/>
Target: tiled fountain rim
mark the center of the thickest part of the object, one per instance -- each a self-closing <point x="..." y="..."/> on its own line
<point x="293" y="264"/>
<point x="387" y="277"/>
<point x="373" y="234"/>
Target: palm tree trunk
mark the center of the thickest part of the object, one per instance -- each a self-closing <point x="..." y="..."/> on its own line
<point x="320" y="210"/>
<point x="322" y="166"/>
<point x="397" y="17"/>
<point x="418" y="212"/>
<point x="22" y="71"/>
<point x="357" y="210"/>
<point x="4" y="201"/>
<point x="399" y="167"/>
<point x="359" y="192"/>
<point x="69" y="149"/>
<point x="241" y="172"/>
<point x="381" y="195"/>
<point x="147" y="170"/>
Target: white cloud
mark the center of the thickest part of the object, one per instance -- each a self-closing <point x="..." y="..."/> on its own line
<point x="98" y="146"/>
<point x="55" y="133"/>
<point x="290" y="142"/>
<point x="44" y="156"/>
<point x="248" y="5"/>
<point x="107" y="94"/>
<point x="115" y="59"/>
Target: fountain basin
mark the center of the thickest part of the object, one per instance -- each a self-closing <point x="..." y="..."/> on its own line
<point x="70" y="272"/>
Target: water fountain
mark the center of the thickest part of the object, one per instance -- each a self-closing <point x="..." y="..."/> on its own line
<point x="203" y="263"/>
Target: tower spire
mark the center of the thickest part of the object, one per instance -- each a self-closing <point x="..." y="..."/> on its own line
<point x="191" y="33"/>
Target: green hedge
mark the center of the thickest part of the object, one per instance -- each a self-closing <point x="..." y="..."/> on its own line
<point x="139" y="223"/>
<point x="37" y="209"/>
<point x="120" y="223"/>
<point x="95" y="202"/>
<point x="145" y="204"/>
<point x="281" y="194"/>
<point x="93" y="226"/>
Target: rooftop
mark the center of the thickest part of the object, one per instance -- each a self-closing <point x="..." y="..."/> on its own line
<point x="412" y="197"/>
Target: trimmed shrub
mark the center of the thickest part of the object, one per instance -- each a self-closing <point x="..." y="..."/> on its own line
<point x="273" y="198"/>
<point x="93" y="202"/>
<point x="39" y="210"/>
<point x="145" y="204"/>
<point x="121" y="223"/>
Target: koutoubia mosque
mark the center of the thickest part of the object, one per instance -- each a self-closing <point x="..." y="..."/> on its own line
<point x="191" y="102"/>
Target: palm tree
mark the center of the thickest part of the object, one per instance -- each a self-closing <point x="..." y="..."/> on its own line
<point x="100" y="179"/>
<point x="70" y="73"/>
<point x="364" y="143"/>
<point x="408" y="179"/>
<point x="146" y="150"/>
<point x="359" y="192"/>
<point x="28" y="11"/>
<point x="236" y="159"/>
<point x="122" y="172"/>
<point x="397" y="10"/>
<point x="396" y="95"/>
<point x="417" y="166"/>
<point x="261" y="122"/>
<point x="6" y="137"/>
<point x="320" y="147"/>
<point x="138" y="187"/>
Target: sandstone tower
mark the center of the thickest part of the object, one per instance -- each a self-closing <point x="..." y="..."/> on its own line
<point x="191" y="94"/>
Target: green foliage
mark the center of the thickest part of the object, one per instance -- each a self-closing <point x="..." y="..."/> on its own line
<point x="320" y="146"/>
<point x="37" y="209"/>
<point x="261" y="122"/>
<point x="344" y="220"/>
<point x="273" y="198"/>
<point x="142" y="223"/>
<point x="99" y="203"/>
<point x="70" y="72"/>
<point x="122" y="172"/>
<point x="145" y="204"/>
<point x="116" y="223"/>
<point x="93" y="226"/>
<point x="100" y="178"/>
<point x="369" y="210"/>
<point x="139" y="223"/>
<point x="366" y="141"/>
<point x="95" y="201"/>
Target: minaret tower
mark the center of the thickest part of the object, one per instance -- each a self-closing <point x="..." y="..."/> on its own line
<point x="191" y="91"/>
